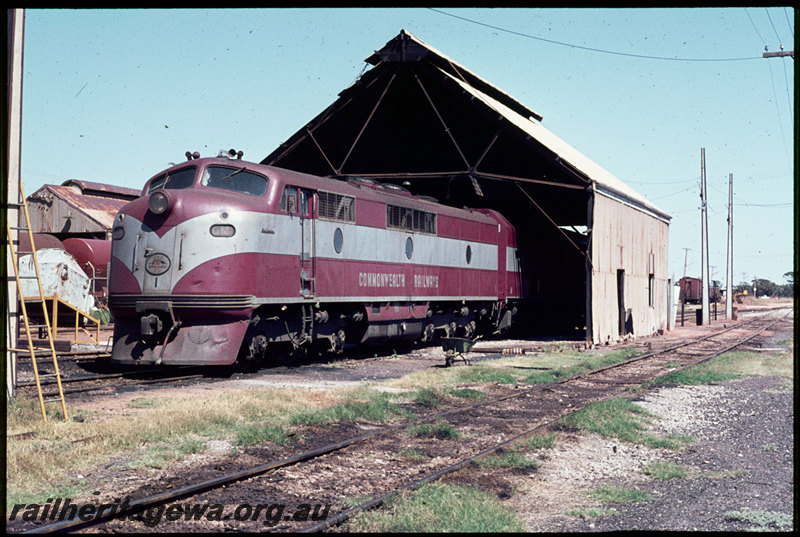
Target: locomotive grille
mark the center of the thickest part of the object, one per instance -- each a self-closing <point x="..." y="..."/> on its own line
<point x="185" y="301"/>
<point x="410" y="219"/>
<point x="337" y="206"/>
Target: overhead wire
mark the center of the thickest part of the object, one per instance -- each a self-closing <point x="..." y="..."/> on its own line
<point x="773" y="27"/>
<point x="592" y="49"/>
<point x="772" y="78"/>
<point x="755" y="28"/>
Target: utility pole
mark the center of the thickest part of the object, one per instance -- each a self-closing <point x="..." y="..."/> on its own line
<point x="16" y="30"/>
<point x="729" y="272"/>
<point x="685" y="259"/>
<point x="780" y="54"/>
<point x="683" y="282"/>
<point x="704" y="237"/>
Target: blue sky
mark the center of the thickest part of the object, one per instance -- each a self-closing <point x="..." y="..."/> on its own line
<point x="114" y="96"/>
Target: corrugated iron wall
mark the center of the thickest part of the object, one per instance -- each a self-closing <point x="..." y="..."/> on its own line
<point x="627" y="239"/>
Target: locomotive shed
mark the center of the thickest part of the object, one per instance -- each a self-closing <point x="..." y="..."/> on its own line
<point x="593" y="251"/>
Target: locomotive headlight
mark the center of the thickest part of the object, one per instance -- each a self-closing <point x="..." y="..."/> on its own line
<point x="223" y="230"/>
<point x="158" y="202"/>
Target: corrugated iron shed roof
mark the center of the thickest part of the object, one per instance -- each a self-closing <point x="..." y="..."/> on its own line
<point x="100" y="209"/>
<point x="101" y="189"/>
<point x="408" y="47"/>
<point x="602" y="177"/>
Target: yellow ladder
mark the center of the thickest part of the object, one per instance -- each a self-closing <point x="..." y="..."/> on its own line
<point x="51" y="330"/>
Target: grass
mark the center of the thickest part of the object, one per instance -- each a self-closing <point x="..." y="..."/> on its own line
<point x="550" y="366"/>
<point x="574" y="363"/>
<point x="610" y="494"/>
<point x="622" y="419"/>
<point x="440" y="430"/>
<point x="508" y="459"/>
<point x="765" y="520"/>
<point x="666" y="470"/>
<point x="734" y="365"/>
<point x="439" y="508"/>
<point x="368" y="406"/>
<point x="253" y="434"/>
<point x="146" y="402"/>
<point x="413" y="454"/>
<point x="161" y="431"/>
<point x="590" y="512"/>
<point x="539" y="442"/>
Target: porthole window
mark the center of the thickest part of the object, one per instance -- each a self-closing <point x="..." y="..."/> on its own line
<point x="338" y="240"/>
<point x="409" y="247"/>
<point x="469" y="253"/>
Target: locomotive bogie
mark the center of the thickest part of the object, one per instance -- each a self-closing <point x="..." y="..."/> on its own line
<point x="207" y="270"/>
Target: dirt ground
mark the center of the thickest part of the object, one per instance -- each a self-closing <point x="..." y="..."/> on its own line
<point x="742" y="458"/>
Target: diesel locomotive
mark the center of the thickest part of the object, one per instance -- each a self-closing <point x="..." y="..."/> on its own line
<point x="221" y="260"/>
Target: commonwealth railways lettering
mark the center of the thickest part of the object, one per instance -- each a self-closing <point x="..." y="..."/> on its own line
<point x="379" y="279"/>
<point x="382" y="279"/>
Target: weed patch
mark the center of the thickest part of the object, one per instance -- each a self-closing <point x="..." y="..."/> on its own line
<point x="467" y="393"/>
<point x="731" y="366"/>
<point x="442" y="431"/>
<point x="666" y="470"/>
<point x="374" y="407"/>
<point x="480" y="373"/>
<point x="257" y="433"/>
<point x="413" y="454"/>
<point x="590" y="512"/>
<point x="585" y="364"/>
<point x="765" y="520"/>
<point x="609" y="494"/>
<point x="539" y="441"/>
<point x="508" y="459"/>
<point x="622" y="419"/>
<point x="440" y="508"/>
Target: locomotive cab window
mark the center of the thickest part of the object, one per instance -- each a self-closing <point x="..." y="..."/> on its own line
<point x="295" y="200"/>
<point x="234" y="179"/>
<point x="183" y="178"/>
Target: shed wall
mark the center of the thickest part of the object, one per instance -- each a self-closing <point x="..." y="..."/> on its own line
<point x="627" y="239"/>
<point x="50" y="214"/>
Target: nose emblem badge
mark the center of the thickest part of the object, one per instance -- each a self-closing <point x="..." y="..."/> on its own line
<point x="157" y="264"/>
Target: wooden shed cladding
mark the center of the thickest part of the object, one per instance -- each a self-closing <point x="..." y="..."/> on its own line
<point x="77" y="208"/>
<point x="629" y="271"/>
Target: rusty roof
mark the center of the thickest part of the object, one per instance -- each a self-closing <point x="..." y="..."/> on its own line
<point x="103" y="190"/>
<point x="101" y="209"/>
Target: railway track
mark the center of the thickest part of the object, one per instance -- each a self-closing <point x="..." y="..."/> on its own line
<point x="490" y="425"/>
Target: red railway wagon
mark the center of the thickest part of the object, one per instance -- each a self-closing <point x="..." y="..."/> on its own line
<point x="222" y="259"/>
<point x="691" y="290"/>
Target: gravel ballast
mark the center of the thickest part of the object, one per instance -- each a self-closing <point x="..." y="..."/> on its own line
<point x="739" y="468"/>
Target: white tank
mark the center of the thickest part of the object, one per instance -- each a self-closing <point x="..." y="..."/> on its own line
<point x="60" y="274"/>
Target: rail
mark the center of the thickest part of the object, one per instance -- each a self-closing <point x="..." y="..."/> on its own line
<point x="225" y="480"/>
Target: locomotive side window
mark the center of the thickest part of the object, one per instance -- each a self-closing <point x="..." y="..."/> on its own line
<point x="183" y="178"/>
<point x="295" y="200"/>
<point x="234" y="179"/>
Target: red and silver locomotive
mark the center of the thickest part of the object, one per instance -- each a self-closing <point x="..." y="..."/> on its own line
<point x="222" y="259"/>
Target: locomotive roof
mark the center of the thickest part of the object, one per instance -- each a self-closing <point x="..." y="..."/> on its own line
<point x="373" y="191"/>
<point x="360" y="189"/>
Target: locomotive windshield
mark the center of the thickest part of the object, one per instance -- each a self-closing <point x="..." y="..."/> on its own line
<point x="182" y="178"/>
<point x="235" y="179"/>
